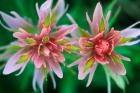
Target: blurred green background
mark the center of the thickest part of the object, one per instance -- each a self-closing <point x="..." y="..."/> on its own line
<point x="124" y="13"/>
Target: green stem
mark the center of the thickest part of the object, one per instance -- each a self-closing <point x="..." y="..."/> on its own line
<point x="108" y="80"/>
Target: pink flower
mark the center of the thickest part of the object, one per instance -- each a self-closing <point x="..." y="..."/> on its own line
<point x="45" y="48"/>
<point x="98" y="47"/>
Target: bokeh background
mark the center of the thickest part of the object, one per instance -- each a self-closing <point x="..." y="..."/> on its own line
<point x="124" y="13"/>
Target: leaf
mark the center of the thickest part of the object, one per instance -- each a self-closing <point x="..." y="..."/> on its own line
<point x="102" y="26"/>
<point x="88" y="44"/>
<point x="124" y="40"/>
<point x="89" y="64"/>
<point x="48" y="20"/>
<point x="62" y="42"/>
<point x="30" y="41"/>
<point x="116" y="59"/>
<point x="83" y="33"/>
<point x="73" y="48"/>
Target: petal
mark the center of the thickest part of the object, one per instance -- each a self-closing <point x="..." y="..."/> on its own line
<point x="101" y="59"/>
<point x="22" y="68"/>
<point x="55" y="67"/>
<point x="80" y="60"/>
<point x="64" y="30"/>
<point x="91" y="74"/>
<point x="38" y="61"/>
<point x="11" y="65"/>
<point x="131" y="33"/>
<point x="114" y="36"/>
<point x="117" y="67"/>
<point x="127" y="32"/>
<point x="107" y="20"/>
<point x="53" y="79"/>
<point x="46" y="51"/>
<point x="130" y="43"/>
<point x="44" y="10"/>
<point x="38" y="79"/>
<point x="85" y="43"/>
<point x="60" y="9"/>
<point x="89" y="20"/>
<point x="97" y="16"/>
<point x="61" y="58"/>
<point x="22" y="34"/>
<point x="61" y="6"/>
<point x="14" y="22"/>
<point x="82" y="74"/>
<point x="97" y="37"/>
<point x="45" y="31"/>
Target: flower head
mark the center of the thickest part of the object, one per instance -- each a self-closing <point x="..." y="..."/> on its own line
<point x="45" y="48"/>
<point x="98" y="47"/>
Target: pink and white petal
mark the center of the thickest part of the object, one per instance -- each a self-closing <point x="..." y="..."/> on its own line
<point x="89" y="20"/>
<point x="46" y="51"/>
<point x="61" y="6"/>
<point x="130" y="43"/>
<point x="11" y="65"/>
<point x="83" y="41"/>
<point x="82" y="74"/>
<point x="20" y="20"/>
<point x="97" y="17"/>
<point x="38" y="79"/>
<point x="45" y="31"/>
<point x="44" y="10"/>
<point x="53" y="79"/>
<point x="61" y="58"/>
<point x="23" y="67"/>
<point x="101" y="59"/>
<point x="125" y="58"/>
<point x="107" y="20"/>
<point x="92" y="71"/>
<point x="131" y="33"/>
<point x="97" y="37"/>
<point x="117" y="68"/>
<point x="64" y="30"/>
<point x="22" y="34"/>
<point x="55" y="67"/>
<point x="38" y="61"/>
<point x="80" y="60"/>
<point x="15" y="21"/>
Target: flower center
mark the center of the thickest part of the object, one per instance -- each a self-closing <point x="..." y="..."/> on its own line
<point x="102" y="47"/>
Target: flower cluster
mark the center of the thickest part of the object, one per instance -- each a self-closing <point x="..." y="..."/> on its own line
<point x="45" y="43"/>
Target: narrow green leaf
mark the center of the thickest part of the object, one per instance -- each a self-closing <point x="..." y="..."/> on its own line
<point x="30" y="41"/>
<point x="83" y="33"/>
<point x="62" y="42"/>
<point x="22" y="59"/>
<point x="113" y="19"/>
<point x="124" y="40"/>
<point x="73" y="48"/>
<point x="89" y="63"/>
<point x="116" y="59"/>
<point x="102" y="26"/>
<point x="48" y="20"/>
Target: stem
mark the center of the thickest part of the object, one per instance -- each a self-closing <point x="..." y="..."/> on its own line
<point x="108" y="80"/>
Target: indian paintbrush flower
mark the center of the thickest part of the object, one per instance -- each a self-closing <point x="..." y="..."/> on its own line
<point x="45" y="47"/>
<point x="98" y="46"/>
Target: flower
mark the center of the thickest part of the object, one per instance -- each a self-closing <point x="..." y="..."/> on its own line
<point x="98" y="47"/>
<point x="45" y="47"/>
